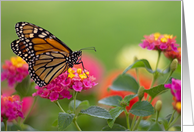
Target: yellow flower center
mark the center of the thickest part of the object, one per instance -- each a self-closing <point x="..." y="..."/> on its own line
<point x="83" y="76"/>
<point x="71" y="75"/>
<point x="71" y="71"/>
<point x="178" y="105"/>
<point x="163" y="40"/>
<point x="17" y="61"/>
<point x="156" y="36"/>
<point x="79" y="70"/>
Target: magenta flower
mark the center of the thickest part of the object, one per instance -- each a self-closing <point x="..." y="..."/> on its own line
<point x="175" y="88"/>
<point x="161" y="42"/>
<point x="14" y="70"/>
<point x="11" y="108"/>
<point x="60" y="87"/>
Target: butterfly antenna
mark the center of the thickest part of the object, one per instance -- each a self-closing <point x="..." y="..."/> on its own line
<point x="89" y="48"/>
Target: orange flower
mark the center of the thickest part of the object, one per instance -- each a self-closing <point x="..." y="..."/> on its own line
<point x="104" y="90"/>
<point x="176" y="105"/>
<point x="173" y="54"/>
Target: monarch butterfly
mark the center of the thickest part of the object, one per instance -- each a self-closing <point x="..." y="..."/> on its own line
<point x="46" y="55"/>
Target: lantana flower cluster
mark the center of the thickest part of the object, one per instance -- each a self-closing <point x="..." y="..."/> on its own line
<point x="14" y="70"/>
<point x="175" y="88"/>
<point x="59" y="88"/>
<point x="161" y="42"/>
<point x="174" y="54"/>
<point x="11" y="108"/>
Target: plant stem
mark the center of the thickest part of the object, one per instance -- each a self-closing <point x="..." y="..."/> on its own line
<point x="5" y="123"/>
<point x="168" y="77"/>
<point x="74" y="108"/>
<point x="74" y="98"/>
<point x="57" y="103"/>
<point x="174" y="121"/>
<point x="137" y="123"/>
<point x="157" y="115"/>
<point x="133" y="122"/>
<point x="127" y="119"/>
<point x="30" y="109"/>
<point x="154" y="79"/>
<point x="77" y="126"/>
<point x="171" y="117"/>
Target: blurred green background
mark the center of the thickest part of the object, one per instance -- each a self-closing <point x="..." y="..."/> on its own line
<point x="106" y="25"/>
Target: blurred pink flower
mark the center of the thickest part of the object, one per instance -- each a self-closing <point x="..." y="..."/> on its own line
<point x="74" y="79"/>
<point x="14" y="70"/>
<point x="175" y="88"/>
<point x="172" y="54"/>
<point x="26" y="101"/>
<point x="10" y="108"/>
<point x="161" y="42"/>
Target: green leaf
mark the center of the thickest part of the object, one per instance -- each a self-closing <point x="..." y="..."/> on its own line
<point x="84" y="104"/>
<point x="125" y="82"/>
<point x="96" y="111"/>
<point x="71" y="104"/>
<point x="64" y="120"/>
<point x="111" y="101"/>
<point x="144" y="125"/>
<point x="156" y="127"/>
<point x="143" y="63"/>
<point x="142" y="108"/>
<point x="115" y="112"/>
<point x="28" y="128"/>
<point x="157" y="90"/>
<point x="116" y="127"/>
<point x="24" y="87"/>
<point x="129" y="97"/>
<point x="55" y="123"/>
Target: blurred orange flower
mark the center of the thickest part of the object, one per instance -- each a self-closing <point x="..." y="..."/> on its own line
<point x="104" y="90"/>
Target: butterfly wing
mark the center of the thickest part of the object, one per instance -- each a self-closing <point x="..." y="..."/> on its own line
<point x="45" y="53"/>
<point x="19" y="49"/>
<point x="38" y="40"/>
<point x="47" y="66"/>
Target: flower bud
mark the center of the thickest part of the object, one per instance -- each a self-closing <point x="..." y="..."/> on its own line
<point x="123" y="103"/>
<point x="174" y="64"/>
<point x="140" y="92"/>
<point x="158" y="105"/>
<point x="135" y="59"/>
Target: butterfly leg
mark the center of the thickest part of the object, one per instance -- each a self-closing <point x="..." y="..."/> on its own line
<point x="81" y="62"/>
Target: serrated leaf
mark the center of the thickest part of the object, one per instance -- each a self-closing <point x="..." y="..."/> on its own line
<point x="116" y="127"/>
<point x="129" y="98"/>
<point x="125" y="82"/>
<point x="111" y="101"/>
<point x="156" y="127"/>
<point x="96" y="111"/>
<point x="64" y="120"/>
<point x="142" y="108"/>
<point x="143" y="63"/>
<point x="157" y="90"/>
<point x="115" y="112"/>
<point x="71" y="104"/>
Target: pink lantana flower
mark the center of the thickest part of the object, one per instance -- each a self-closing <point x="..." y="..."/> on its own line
<point x="14" y="70"/>
<point x="72" y="80"/>
<point x="175" y="88"/>
<point x="11" y="108"/>
<point x="161" y="42"/>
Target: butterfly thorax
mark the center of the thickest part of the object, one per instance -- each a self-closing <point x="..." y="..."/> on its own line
<point x="74" y="58"/>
